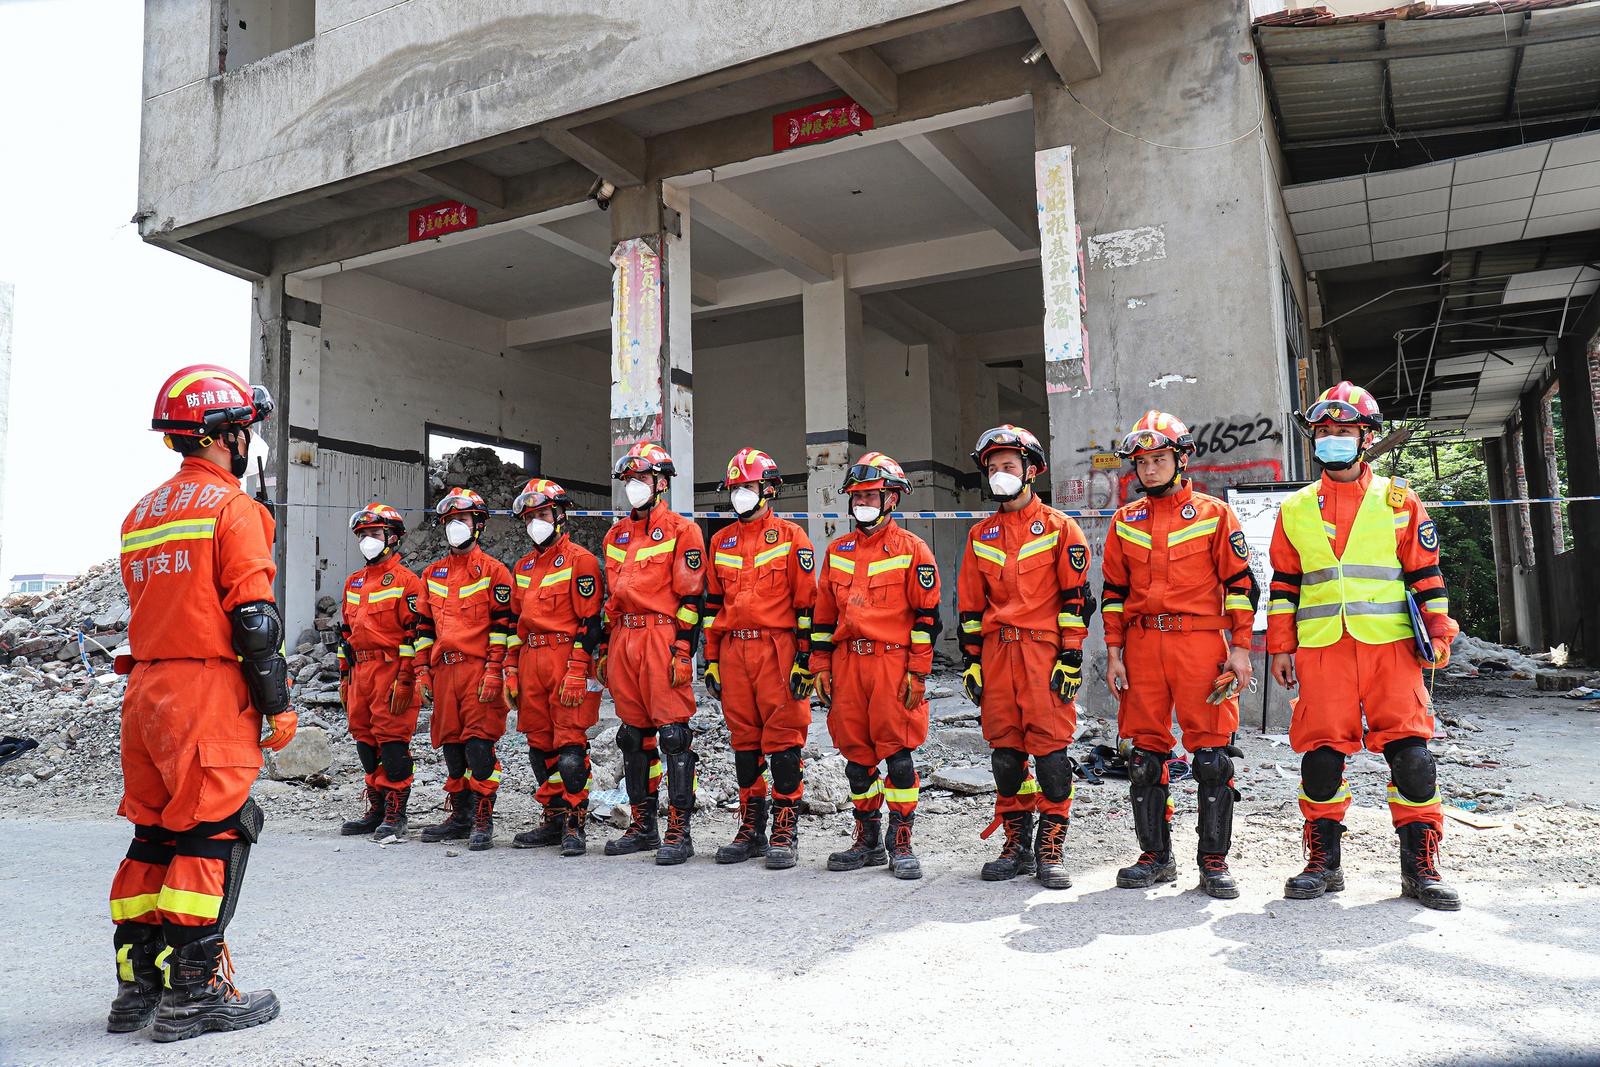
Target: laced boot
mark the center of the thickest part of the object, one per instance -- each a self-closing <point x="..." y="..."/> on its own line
<point x="573" y="842"/>
<point x="903" y="863"/>
<point x="393" y="826"/>
<point x="751" y="840"/>
<point x="368" y="822"/>
<point x="1419" y="868"/>
<point x="457" y="821"/>
<point x="677" y="844"/>
<point x="867" y="850"/>
<point x="1322" y="873"/>
<point x="1016" y="855"/>
<point x="641" y="834"/>
<point x="1215" y="878"/>
<point x="1050" y="852"/>
<point x="482" y="824"/>
<point x="549" y="832"/>
<point x="784" y="850"/>
<point x="201" y="996"/>
<point x="138" y="980"/>
<point x="1155" y="863"/>
<point x="1216" y="837"/>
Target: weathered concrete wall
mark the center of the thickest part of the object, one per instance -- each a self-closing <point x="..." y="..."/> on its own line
<point x="7" y="304"/>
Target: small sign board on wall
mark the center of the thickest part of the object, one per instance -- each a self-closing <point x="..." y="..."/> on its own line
<point x="436" y="220"/>
<point x="826" y="121"/>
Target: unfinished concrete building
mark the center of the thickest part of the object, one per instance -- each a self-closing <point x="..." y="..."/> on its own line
<point x="821" y="228"/>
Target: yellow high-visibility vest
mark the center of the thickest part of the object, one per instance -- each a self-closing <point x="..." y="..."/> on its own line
<point x="1364" y="591"/>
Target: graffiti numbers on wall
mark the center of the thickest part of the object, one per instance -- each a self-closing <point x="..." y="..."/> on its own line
<point x="1222" y="437"/>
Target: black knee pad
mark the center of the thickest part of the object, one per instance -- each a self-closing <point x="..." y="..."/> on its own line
<point x="1010" y="768"/>
<point x="1055" y="775"/>
<point x="367" y="755"/>
<point x="786" y="770"/>
<point x="397" y="761"/>
<point x="538" y="759"/>
<point x="902" y="770"/>
<point x="1146" y="767"/>
<point x="860" y="777"/>
<point x="746" y="767"/>
<point x="455" y="759"/>
<point x="630" y="739"/>
<point x="480" y="757"/>
<point x="573" y="763"/>
<point x="675" y="738"/>
<point x="1212" y="766"/>
<point x="1321" y="772"/>
<point x="1412" y="768"/>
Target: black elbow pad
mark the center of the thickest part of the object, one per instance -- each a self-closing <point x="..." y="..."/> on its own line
<point x="258" y="639"/>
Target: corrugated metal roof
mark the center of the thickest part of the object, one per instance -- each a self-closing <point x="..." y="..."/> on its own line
<point x="1321" y="16"/>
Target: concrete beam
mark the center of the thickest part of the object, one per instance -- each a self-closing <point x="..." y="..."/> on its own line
<point x="963" y="173"/>
<point x="702" y="289"/>
<point x="464" y="181"/>
<point x="568" y="245"/>
<point x="607" y="148"/>
<point x="1070" y="35"/>
<point x="866" y="78"/>
<point x="907" y="324"/>
<point x="238" y="253"/>
<point x="1019" y="342"/>
<point x="944" y="259"/>
<point x="556" y="326"/>
<point x="719" y="208"/>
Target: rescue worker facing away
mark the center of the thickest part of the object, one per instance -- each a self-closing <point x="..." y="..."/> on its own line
<point x="377" y="668"/>
<point x="655" y="584"/>
<point x="1176" y="577"/>
<point x="1347" y="552"/>
<point x="876" y="618"/>
<point x="1024" y="604"/>
<point x="207" y="673"/>
<point x="557" y="601"/>
<point x="760" y="590"/>
<point x="468" y="602"/>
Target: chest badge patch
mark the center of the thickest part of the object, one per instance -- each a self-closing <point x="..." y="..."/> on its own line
<point x="1037" y="528"/>
<point x="846" y="546"/>
<point x="1240" y="549"/>
<point x="502" y="594"/>
<point x="586" y="585"/>
<point x="1188" y="511"/>
<point x="692" y="559"/>
<point x="357" y="583"/>
<point x="442" y="572"/>
<point x="1138" y="516"/>
<point x="772" y="537"/>
<point x="990" y="534"/>
<point x="807" y="559"/>
<point x="1428" y="536"/>
<point x="527" y="564"/>
<point x="926" y="575"/>
<point x="622" y="538"/>
<point x="388" y="579"/>
<point x="1078" y="556"/>
<point x="656" y="534"/>
<point x="560" y="560"/>
<point x="731" y="542"/>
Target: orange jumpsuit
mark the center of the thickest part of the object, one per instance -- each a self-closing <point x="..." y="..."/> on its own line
<point x="557" y="599"/>
<point x="192" y="550"/>
<point x="1349" y="680"/>
<point x="1177" y="574"/>
<point x="1021" y="597"/>
<point x="655" y="580"/>
<point x="468" y="603"/>
<point x="381" y="609"/>
<point x="876" y="618"/>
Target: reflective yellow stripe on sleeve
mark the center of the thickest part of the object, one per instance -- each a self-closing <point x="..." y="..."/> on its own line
<point x="1236" y="602"/>
<point x="972" y="626"/>
<point x="687" y="615"/>
<point x="351" y="597"/>
<point x="524" y="581"/>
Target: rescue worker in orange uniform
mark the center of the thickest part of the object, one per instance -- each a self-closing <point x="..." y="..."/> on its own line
<point x="1176" y="578"/>
<point x="1351" y="553"/>
<point x="876" y="618"/>
<point x="1024" y="604"/>
<point x="655" y="582"/>
<point x="760" y="589"/>
<point x="557" y="600"/>
<point x="468" y="603"/>
<point x="377" y="669"/>
<point x="206" y="673"/>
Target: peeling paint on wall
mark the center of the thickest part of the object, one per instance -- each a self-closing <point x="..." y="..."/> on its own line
<point x="1135" y="302"/>
<point x="1172" y="379"/>
<point x="1124" y="248"/>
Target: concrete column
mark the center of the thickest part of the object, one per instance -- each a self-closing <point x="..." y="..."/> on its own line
<point x="836" y="407"/>
<point x="1575" y="362"/>
<point x="678" y="274"/>
<point x="7" y="295"/>
<point x="270" y="365"/>
<point x="1502" y="528"/>
<point x="979" y="410"/>
<point x="1536" y="469"/>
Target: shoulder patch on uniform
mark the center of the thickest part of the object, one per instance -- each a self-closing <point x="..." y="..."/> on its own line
<point x="807" y="558"/>
<point x="926" y="575"/>
<point x="692" y="558"/>
<point x="442" y="572"/>
<point x="1240" y="548"/>
<point x="585" y="585"/>
<point x="846" y="546"/>
<point x="1428" y="536"/>
<point x="502" y="594"/>
<point x="411" y="602"/>
<point x="527" y="564"/>
<point x="1078" y="556"/>
<point x="388" y="579"/>
<point x="357" y="583"/>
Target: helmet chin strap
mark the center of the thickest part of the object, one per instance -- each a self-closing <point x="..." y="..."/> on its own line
<point x="1165" y="487"/>
<point x="238" y="462"/>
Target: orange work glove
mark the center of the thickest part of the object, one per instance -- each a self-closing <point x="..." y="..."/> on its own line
<point x="682" y="670"/>
<point x="1441" y="655"/>
<point x="279" y="730"/>
<point x="492" y="686"/>
<point x="400" y="696"/>
<point x="600" y="668"/>
<point x="824" y="683"/>
<point x="1223" y="687"/>
<point x="425" y="681"/>
<point x="574" y="685"/>
<point x="513" y="684"/>
<point x="913" y="690"/>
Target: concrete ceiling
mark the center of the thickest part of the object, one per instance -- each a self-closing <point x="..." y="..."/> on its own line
<point x="511" y="275"/>
<point x="983" y="304"/>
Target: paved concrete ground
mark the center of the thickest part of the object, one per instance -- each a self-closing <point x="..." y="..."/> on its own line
<point x="403" y="954"/>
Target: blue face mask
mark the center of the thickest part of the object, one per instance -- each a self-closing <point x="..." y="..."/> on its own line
<point x="1337" y="450"/>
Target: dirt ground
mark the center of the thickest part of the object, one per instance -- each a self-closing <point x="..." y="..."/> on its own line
<point x="432" y="954"/>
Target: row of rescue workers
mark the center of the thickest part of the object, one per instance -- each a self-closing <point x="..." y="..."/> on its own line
<point x="855" y="625"/>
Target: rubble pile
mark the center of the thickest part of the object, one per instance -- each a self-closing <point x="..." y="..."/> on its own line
<point x="1471" y="657"/>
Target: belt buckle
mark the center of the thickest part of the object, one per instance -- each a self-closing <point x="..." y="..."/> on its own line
<point x="747" y="635"/>
<point x="1168" y="623"/>
<point x="1010" y="634"/>
<point x="861" y="646"/>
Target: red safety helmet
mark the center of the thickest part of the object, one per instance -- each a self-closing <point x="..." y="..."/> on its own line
<point x="1014" y="438"/>
<point x="538" y="493"/>
<point x="750" y="466"/>
<point x="461" y="500"/>
<point x="1157" y="431"/>
<point x="875" y="471"/>
<point x="203" y="401"/>
<point x="646" y="457"/>
<point x="378" y="516"/>
<point x="1346" y="404"/>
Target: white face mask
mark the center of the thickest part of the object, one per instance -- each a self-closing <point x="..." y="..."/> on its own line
<point x="744" y="500"/>
<point x="258" y="449"/>
<point x="638" y="492"/>
<point x="866" y="514"/>
<point x="371" y="548"/>
<point x="540" y="530"/>
<point x="1004" y="485"/>
<point x="458" y="532"/>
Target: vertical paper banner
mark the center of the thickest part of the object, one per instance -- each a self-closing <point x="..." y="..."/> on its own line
<point x="1066" y="336"/>
<point x="636" y="394"/>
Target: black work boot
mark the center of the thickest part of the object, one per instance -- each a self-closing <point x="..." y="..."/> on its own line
<point x="1216" y="837"/>
<point x="573" y="842"/>
<point x="751" y="840"/>
<point x="551" y="829"/>
<point x="1016" y="855"/>
<point x="393" y="826"/>
<point x="1155" y="863"/>
<point x="867" y="850"/>
<point x="677" y="844"/>
<point x="1215" y="878"/>
<point x="903" y="863"/>
<point x="784" y="850"/>
<point x="641" y="835"/>
<point x="138" y="979"/>
<point x="1419" y="868"/>
<point x="1323" y="873"/>
<point x="1050" y="852"/>
<point x="201" y="997"/>
<point x="457" y="821"/>
<point x="482" y="823"/>
<point x="368" y="822"/>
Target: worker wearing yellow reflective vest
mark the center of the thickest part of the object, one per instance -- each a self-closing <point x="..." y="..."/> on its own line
<point x="1346" y="552"/>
